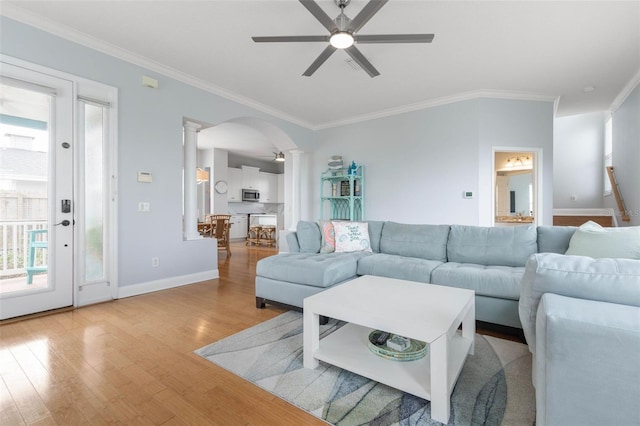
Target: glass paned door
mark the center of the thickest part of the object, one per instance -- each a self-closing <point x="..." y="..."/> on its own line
<point x="36" y="188"/>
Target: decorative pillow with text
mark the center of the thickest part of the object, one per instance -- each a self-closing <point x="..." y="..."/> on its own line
<point x="351" y="236"/>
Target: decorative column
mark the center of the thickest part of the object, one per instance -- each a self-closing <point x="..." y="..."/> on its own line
<point x="296" y="178"/>
<point x="190" y="231"/>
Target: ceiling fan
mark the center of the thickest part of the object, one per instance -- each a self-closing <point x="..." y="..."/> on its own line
<point x="343" y="34"/>
<point x="277" y="156"/>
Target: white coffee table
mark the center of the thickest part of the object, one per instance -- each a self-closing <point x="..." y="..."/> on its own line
<point x="426" y="312"/>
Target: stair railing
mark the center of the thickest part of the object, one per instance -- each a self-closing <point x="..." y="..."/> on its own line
<point x="616" y="191"/>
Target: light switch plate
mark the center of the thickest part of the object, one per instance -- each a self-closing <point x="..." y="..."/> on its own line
<point x="145" y="177"/>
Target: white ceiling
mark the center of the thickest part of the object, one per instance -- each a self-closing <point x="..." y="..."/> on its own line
<point x="528" y="49"/>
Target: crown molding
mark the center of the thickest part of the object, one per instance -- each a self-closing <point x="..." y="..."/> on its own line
<point x="26" y="17"/>
<point x="475" y="94"/>
<point x="626" y="91"/>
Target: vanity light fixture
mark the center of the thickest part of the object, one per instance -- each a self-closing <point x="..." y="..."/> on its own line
<point x="519" y="161"/>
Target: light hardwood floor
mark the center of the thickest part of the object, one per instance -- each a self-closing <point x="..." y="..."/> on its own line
<point x="131" y="361"/>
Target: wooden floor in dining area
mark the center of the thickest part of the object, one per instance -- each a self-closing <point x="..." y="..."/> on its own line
<point x="131" y="361"/>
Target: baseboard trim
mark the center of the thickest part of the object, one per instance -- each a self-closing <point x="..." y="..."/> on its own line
<point x="166" y="283"/>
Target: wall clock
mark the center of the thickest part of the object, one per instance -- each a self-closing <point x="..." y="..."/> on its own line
<point x="221" y="187"/>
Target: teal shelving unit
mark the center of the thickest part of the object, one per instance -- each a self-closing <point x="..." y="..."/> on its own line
<point x="342" y="195"/>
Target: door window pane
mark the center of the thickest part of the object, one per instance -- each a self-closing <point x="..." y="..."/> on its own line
<point x="24" y="160"/>
<point x="94" y="192"/>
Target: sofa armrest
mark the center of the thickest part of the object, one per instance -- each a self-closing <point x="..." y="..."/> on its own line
<point x="587" y="370"/>
<point x="606" y="280"/>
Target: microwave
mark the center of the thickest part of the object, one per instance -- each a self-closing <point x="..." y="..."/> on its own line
<point x="250" y="195"/>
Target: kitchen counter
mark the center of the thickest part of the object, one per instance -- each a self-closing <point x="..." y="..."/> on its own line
<point x="263" y="219"/>
<point x="514" y="219"/>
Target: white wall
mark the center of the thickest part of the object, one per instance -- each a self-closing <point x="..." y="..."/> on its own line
<point x="518" y="124"/>
<point x="150" y="139"/>
<point x="626" y="156"/>
<point x="418" y="164"/>
<point x="578" y="168"/>
<point x="220" y="172"/>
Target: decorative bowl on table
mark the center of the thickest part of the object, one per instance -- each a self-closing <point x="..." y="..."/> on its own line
<point x="416" y="349"/>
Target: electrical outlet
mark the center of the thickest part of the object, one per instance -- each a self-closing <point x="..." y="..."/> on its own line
<point x="155" y="262"/>
<point x="144" y="207"/>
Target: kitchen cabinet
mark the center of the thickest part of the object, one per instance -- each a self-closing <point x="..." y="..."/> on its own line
<point x="268" y="187"/>
<point x="234" y="193"/>
<point x="250" y="177"/>
<point x="239" y="226"/>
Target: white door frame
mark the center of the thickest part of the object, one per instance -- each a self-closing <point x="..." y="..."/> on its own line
<point x="537" y="179"/>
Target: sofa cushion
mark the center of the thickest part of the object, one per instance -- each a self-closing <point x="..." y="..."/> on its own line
<point x="421" y="241"/>
<point x="592" y="240"/>
<point x="319" y="270"/>
<point x="493" y="281"/>
<point x="401" y="267"/>
<point x="554" y="239"/>
<point x="309" y="237"/>
<point x="503" y="246"/>
<point x="375" y="233"/>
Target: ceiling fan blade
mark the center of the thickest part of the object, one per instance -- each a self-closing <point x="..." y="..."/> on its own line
<point x="278" y="39"/>
<point x="319" y="61"/>
<point x="320" y="14"/>
<point x="357" y="56"/>
<point x="395" y="38"/>
<point x="365" y="14"/>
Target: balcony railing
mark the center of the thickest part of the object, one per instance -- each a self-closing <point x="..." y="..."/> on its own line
<point x="14" y="247"/>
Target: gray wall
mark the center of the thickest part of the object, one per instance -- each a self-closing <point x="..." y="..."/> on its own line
<point x="150" y="139"/>
<point x="626" y="156"/>
<point x="418" y="164"/>
<point x="579" y="170"/>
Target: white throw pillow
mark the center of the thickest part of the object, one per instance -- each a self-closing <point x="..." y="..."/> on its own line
<point x="592" y="240"/>
<point x="351" y="236"/>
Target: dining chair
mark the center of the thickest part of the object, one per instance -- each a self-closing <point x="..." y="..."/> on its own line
<point x="221" y="226"/>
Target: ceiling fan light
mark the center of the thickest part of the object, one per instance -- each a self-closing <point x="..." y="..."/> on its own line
<point x="341" y="40"/>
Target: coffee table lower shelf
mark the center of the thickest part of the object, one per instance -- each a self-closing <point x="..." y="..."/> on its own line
<point x="348" y="349"/>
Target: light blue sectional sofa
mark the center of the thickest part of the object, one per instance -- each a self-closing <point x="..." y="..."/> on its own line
<point x="580" y="315"/>
<point x="488" y="260"/>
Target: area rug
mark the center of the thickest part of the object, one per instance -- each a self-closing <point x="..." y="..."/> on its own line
<point x="494" y="387"/>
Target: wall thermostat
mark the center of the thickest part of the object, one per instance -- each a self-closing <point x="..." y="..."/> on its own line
<point x="467" y="194"/>
<point x="146" y="177"/>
